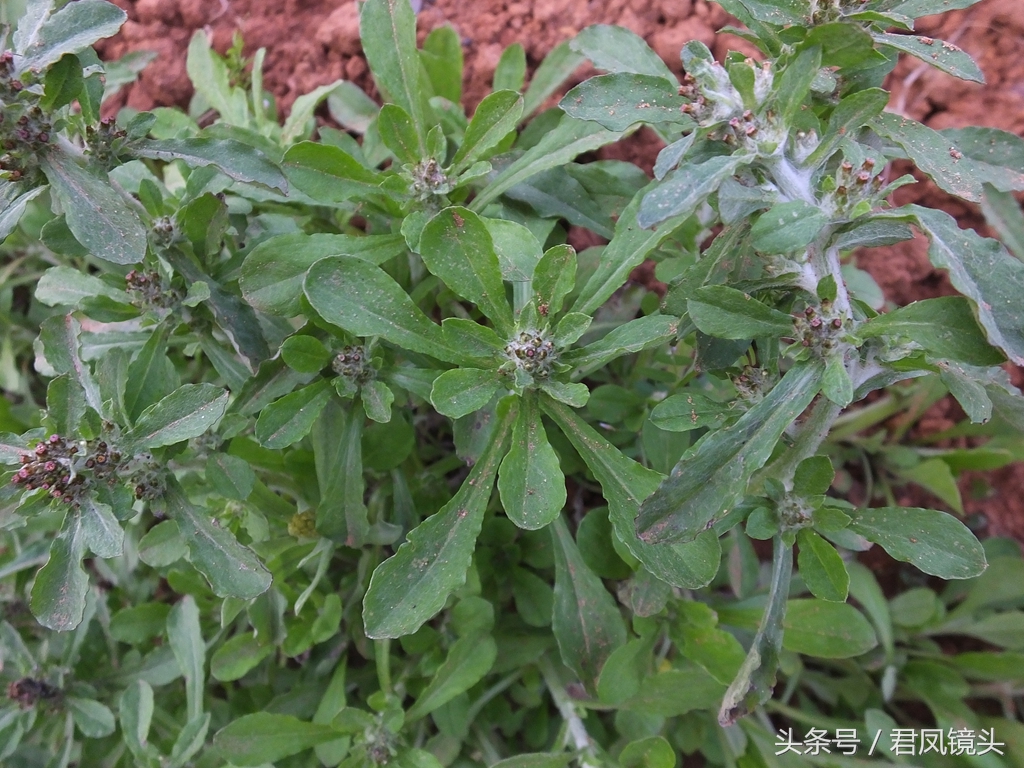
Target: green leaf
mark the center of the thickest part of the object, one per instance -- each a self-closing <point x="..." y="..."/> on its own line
<point x="103" y="534"/>
<point x="703" y="642"/>
<point x="388" y="32"/>
<point x="377" y="398"/>
<point x="650" y="752"/>
<point x="151" y="374"/>
<point x="530" y="480"/>
<point x="940" y="54"/>
<point x="305" y="354"/>
<point x="793" y="83"/>
<point x="135" y="710"/>
<point x="849" y="116"/>
<point x="586" y="621"/>
<point x="621" y="100"/>
<point x="827" y="630"/>
<point x="94" y="720"/>
<point x="787" y="227"/>
<point x="272" y="274"/>
<point x="566" y="141"/>
<point x="469" y="659"/>
<point x="231" y="476"/>
<point x="232" y="158"/>
<point x="59" y="591"/>
<point x="62" y="84"/>
<point x="554" y="277"/>
<point x="237" y="657"/>
<point x="73" y="28"/>
<point x="210" y="77"/>
<point x="264" y="737"/>
<point x="813" y="476"/>
<point x="329" y="174"/>
<point x="821" y="567"/>
<point x="399" y="134"/>
<point x="442" y="58"/>
<point x="726" y="313"/>
<point x="366" y="301"/>
<point x="68" y="286"/>
<point x="187" y="412"/>
<point x="289" y="419"/>
<point x="933" y="541"/>
<point x="301" y="115"/>
<point x="337" y="451"/>
<point x="625" y="484"/>
<point x="98" y="216"/>
<point x="413" y="585"/>
<point x="617" y="49"/>
<point x="713" y="474"/>
<point x="836" y="383"/>
<point x="231" y="569"/>
<point x="517" y="249"/>
<point x="456" y="246"/>
<point x="14" y="204"/>
<point x="495" y="117"/>
<point x="997" y="157"/>
<point x="626" y="339"/>
<point x="755" y="680"/>
<point x="685" y="411"/>
<point x="945" y="327"/>
<point x="1002" y="213"/>
<point x="684" y="189"/>
<point x="510" y="74"/>
<point x="462" y="391"/>
<point x="985" y="273"/>
<point x="186" y="641"/>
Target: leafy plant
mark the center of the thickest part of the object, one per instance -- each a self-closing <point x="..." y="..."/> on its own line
<point x="267" y="386"/>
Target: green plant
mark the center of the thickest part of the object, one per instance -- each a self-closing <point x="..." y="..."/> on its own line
<point x="256" y="368"/>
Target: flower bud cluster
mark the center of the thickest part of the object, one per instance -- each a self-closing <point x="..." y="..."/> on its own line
<point x="28" y="690"/>
<point x="429" y="179"/>
<point x="104" y="142"/>
<point x="819" y="328"/>
<point x="753" y="383"/>
<point x="353" y="363"/>
<point x="532" y="352"/>
<point x="303" y="525"/>
<point x="794" y="513"/>
<point x="149" y="291"/>
<point x="713" y="97"/>
<point x="853" y="189"/>
<point x="25" y="130"/>
<point x="66" y="469"/>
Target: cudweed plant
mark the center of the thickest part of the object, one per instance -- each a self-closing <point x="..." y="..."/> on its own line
<point x="267" y="385"/>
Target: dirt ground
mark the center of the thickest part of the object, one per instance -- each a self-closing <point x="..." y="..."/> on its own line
<point x="313" y="42"/>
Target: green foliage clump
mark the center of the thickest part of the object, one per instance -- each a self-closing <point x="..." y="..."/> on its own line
<point x="265" y="388"/>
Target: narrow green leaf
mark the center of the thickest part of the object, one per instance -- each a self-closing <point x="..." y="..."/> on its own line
<point x="793" y="82"/>
<point x="713" y="474"/>
<point x="289" y="419"/>
<point x="187" y="412"/>
<point x="933" y="541"/>
<point x="398" y="133"/>
<point x="940" y="54"/>
<point x="94" y="720"/>
<point x="337" y="452"/>
<point x="102" y="533"/>
<point x="237" y="657"/>
<point x="945" y="327"/>
<point x="456" y="246"/>
<point x="461" y="391"/>
<point x="388" y="32"/>
<point x="413" y="585"/>
<point x="554" y="70"/>
<point x="554" y="277"/>
<point x="985" y="273"/>
<point x="366" y="301"/>
<point x="231" y="569"/>
<point x="135" y="710"/>
<point x="836" y="383"/>
<point x="821" y="567"/>
<point x="510" y="74"/>
<point x="726" y="313"/>
<point x="59" y="591"/>
<point x="495" y="117"/>
<point x="14" y="204"/>
<point x="849" y="116"/>
<point x="442" y="58"/>
<point x="1003" y="214"/>
<point x="585" y="620"/>
<point x="828" y="630"/>
<point x="265" y="737"/>
<point x="186" y="641"/>
<point x="566" y="141"/>
<point x="468" y="660"/>
<point x="98" y="216"/>
<point x="530" y="481"/>
<point x="151" y="373"/>
<point x="209" y="75"/>
<point x="301" y="115"/>
<point x="63" y="83"/>
<point x="621" y="100"/>
<point x="685" y="411"/>
<point x="232" y="158"/>
<point x="628" y="338"/>
<point x="625" y="484"/>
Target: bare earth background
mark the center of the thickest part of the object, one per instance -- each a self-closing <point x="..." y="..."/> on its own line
<point x="313" y="42"/>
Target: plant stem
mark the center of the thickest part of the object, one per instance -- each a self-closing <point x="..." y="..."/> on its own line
<point x="567" y="709"/>
<point x="382" y="655"/>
